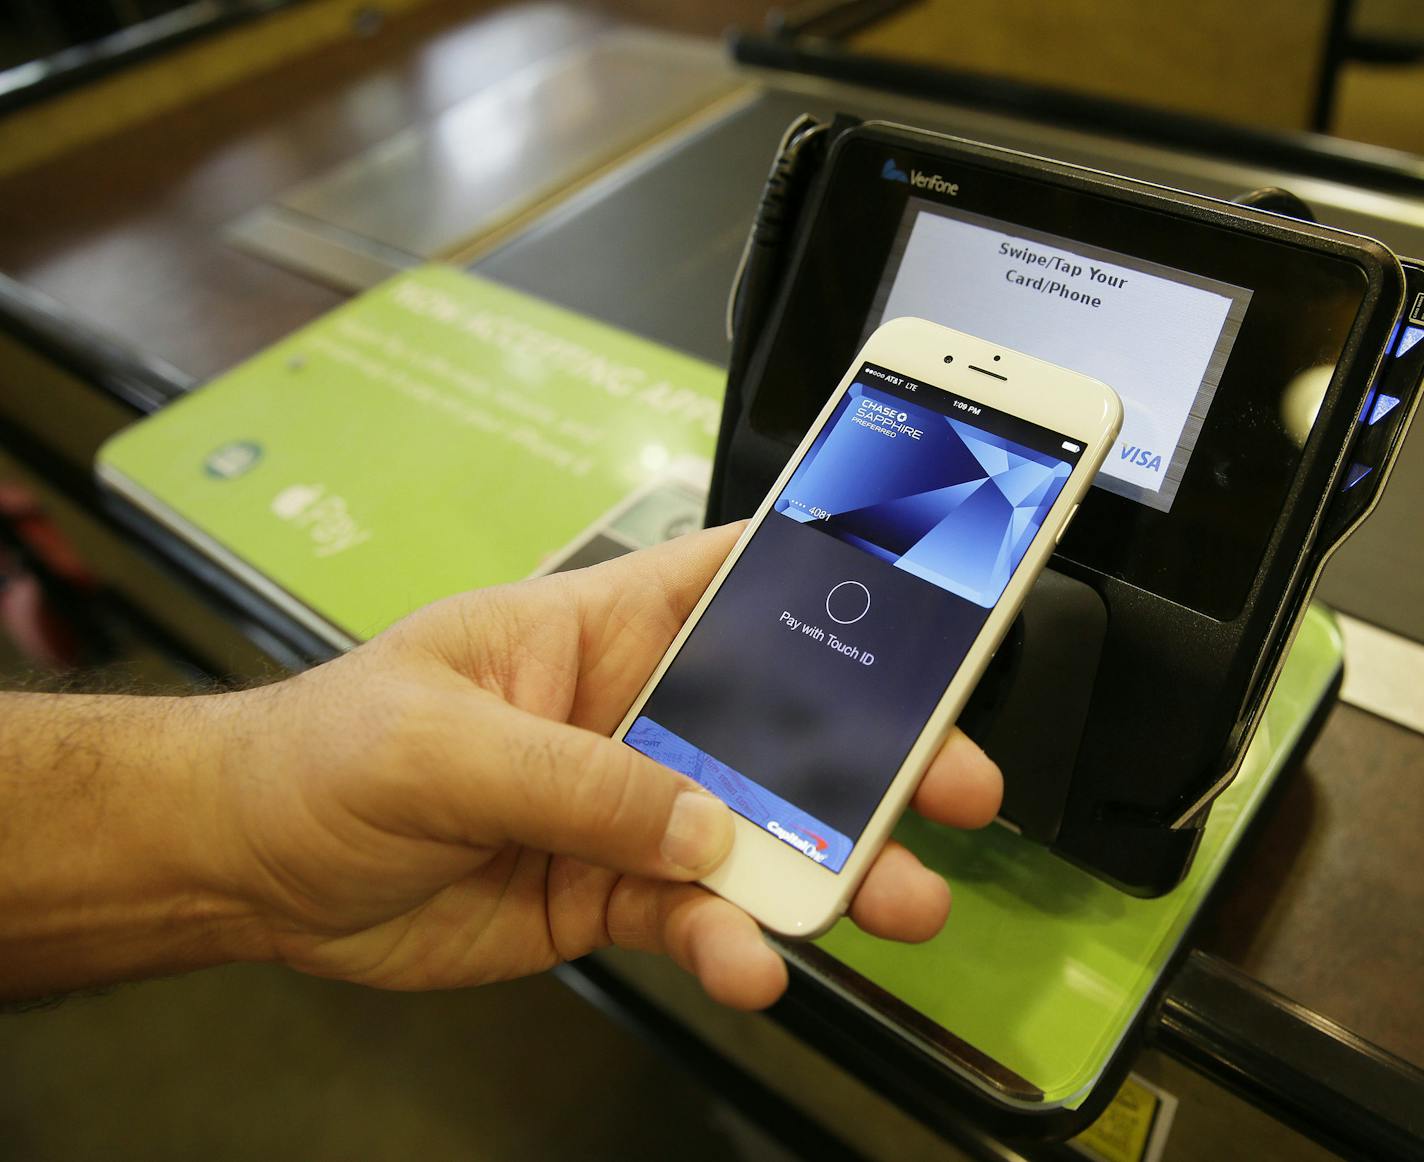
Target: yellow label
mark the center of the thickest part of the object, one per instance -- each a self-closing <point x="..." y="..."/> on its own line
<point x="1124" y="1129"/>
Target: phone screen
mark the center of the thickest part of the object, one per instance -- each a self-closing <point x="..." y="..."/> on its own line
<point x="800" y="691"/>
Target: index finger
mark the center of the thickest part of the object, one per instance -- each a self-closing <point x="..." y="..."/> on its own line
<point x="629" y="610"/>
<point x="663" y="582"/>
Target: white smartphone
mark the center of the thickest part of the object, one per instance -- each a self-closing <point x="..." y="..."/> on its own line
<point x="825" y="664"/>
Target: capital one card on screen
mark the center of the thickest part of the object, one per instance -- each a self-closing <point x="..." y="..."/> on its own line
<point x="798" y="694"/>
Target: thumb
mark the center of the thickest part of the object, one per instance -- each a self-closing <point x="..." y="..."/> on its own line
<point x="572" y="792"/>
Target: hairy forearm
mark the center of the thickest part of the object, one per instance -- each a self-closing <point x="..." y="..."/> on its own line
<point x="112" y="841"/>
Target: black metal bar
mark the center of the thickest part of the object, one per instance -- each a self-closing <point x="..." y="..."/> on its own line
<point x="1369" y="166"/>
<point x="70" y="67"/>
<point x="1296" y="1065"/>
<point x="831" y="19"/>
<point x="1377" y="50"/>
<point x="1336" y="52"/>
<point x="140" y="382"/>
<point x="65" y="477"/>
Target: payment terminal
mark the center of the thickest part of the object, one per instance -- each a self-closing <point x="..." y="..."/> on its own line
<point x="1267" y="367"/>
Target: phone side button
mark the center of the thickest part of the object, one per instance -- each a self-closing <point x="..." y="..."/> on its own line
<point x="1063" y="528"/>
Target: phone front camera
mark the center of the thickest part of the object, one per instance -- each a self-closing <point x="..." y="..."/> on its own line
<point x="949" y="358"/>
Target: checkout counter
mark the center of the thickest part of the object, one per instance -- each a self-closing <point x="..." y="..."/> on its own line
<point x="617" y="175"/>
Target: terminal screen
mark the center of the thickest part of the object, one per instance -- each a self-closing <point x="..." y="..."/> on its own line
<point x="1159" y="337"/>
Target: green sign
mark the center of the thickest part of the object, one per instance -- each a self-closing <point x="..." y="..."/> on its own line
<point x="439" y="433"/>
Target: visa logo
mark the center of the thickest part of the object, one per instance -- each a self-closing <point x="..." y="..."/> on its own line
<point x="1140" y="456"/>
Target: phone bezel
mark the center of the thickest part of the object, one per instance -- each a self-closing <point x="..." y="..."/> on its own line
<point x="786" y="892"/>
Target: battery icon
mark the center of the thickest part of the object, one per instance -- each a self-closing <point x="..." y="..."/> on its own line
<point x="1069" y="446"/>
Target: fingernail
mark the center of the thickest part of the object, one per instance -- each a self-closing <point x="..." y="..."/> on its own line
<point x="699" y="832"/>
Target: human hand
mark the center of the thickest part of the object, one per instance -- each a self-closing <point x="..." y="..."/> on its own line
<point x="443" y="806"/>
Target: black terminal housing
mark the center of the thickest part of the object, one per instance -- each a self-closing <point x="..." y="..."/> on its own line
<point x="1124" y="699"/>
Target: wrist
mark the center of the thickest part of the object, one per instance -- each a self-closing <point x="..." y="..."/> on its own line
<point x="113" y="867"/>
<point x="212" y="741"/>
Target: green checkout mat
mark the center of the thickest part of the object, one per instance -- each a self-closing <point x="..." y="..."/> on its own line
<point x="442" y="432"/>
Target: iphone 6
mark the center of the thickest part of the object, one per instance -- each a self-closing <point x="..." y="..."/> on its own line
<point x="835" y="647"/>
